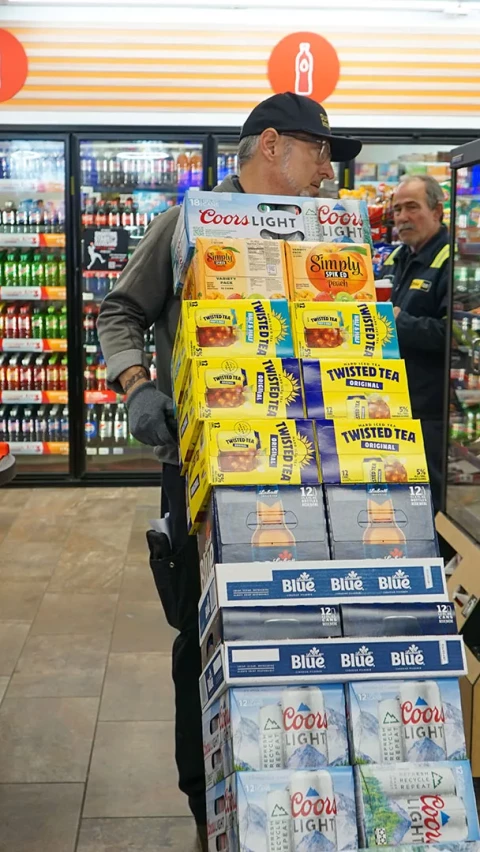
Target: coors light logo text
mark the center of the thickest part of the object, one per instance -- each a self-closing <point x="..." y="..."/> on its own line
<point x="338" y="216"/>
<point x="300" y="585"/>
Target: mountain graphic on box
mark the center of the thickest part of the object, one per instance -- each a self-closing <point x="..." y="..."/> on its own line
<point x="271" y="725"/>
<point x="425" y="750"/>
<point x="315" y="841"/>
<point x="306" y="757"/>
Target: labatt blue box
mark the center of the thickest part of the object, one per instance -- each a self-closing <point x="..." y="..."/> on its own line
<point x="274" y="523"/>
<point x="338" y="660"/>
<point x="415" y="721"/>
<point x="399" y="619"/>
<point x="237" y="215"/>
<point x="268" y="728"/>
<point x="273" y="584"/>
<point x="285" y="811"/>
<point x="416" y="803"/>
<point x="380" y="521"/>
<point x="265" y="623"/>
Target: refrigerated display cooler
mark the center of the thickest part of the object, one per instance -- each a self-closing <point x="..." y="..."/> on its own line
<point x="462" y="493"/>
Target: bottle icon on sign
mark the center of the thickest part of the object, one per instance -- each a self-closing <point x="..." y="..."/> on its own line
<point x="382" y="538"/>
<point x="304" y="69"/>
<point x="272" y="539"/>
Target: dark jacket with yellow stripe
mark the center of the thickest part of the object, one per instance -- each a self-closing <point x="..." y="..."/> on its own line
<point x="420" y="285"/>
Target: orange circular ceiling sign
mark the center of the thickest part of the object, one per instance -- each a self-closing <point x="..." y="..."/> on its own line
<point x="304" y="63"/>
<point x="13" y="65"/>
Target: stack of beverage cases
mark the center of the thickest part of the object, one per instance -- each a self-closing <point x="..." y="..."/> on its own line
<point x="331" y="705"/>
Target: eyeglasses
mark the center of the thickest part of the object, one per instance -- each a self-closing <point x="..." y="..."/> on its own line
<point x="322" y="147"/>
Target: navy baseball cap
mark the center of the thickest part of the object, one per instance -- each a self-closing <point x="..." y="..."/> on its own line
<point x="289" y="113"/>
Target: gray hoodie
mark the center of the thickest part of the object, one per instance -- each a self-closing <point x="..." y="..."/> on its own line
<point x="143" y="296"/>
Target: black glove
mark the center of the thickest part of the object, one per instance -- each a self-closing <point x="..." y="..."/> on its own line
<point x="150" y="416"/>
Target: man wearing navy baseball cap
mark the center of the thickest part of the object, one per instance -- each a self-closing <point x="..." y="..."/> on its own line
<point x="286" y="148"/>
<point x="286" y="144"/>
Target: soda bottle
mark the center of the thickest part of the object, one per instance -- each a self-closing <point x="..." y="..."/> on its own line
<point x="231" y="164"/>
<point x="3" y="310"/>
<point x="41" y="424"/>
<point x="13" y="373"/>
<point x="25" y="322"/>
<point x="63" y="374"/>
<point x="221" y="167"/>
<point x="24" y="270"/>
<point x="86" y="168"/>
<point x="13" y="425"/>
<point x="51" y="271"/>
<point x="91" y="426"/>
<point x="88" y="214"/>
<point x="63" y="323"/>
<point x="120" y="426"/>
<point x="196" y="169"/>
<point x="22" y="219"/>
<point x="101" y="375"/>
<point x="105" y="425"/>
<point x="128" y="215"/>
<point x="62" y="270"/>
<point x="26" y="373"/>
<point x="40" y="373"/>
<point x="4" y="360"/>
<point x="38" y="323"/>
<point x="51" y="325"/>
<point x="53" y="423"/>
<point x="11" y="322"/>
<point x="153" y="371"/>
<point x="101" y="216"/>
<point x="183" y="168"/>
<point x="10" y="272"/>
<point x="114" y="215"/>
<point x="89" y="379"/>
<point x="53" y="373"/>
<point x="304" y="70"/>
<point x="89" y="324"/>
<point x="64" y="424"/>
<point x="9" y="217"/>
<point x="3" y="423"/>
<point x="37" y="272"/>
<point x="27" y="425"/>
<point x="169" y="175"/>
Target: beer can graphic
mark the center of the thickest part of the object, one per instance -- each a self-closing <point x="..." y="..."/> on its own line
<point x="314" y="809"/>
<point x="357" y="407"/>
<point x="403" y="781"/>
<point x="271" y="737"/>
<point x="279" y="822"/>
<point x="305" y="728"/>
<point x="373" y="469"/>
<point x="423" y="721"/>
<point x="434" y="819"/>
<point x="390" y="731"/>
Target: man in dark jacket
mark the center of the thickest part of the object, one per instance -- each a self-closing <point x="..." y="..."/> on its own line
<point x="418" y="270"/>
<point x="286" y="148"/>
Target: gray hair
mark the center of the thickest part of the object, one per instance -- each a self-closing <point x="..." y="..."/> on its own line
<point x="247" y="148"/>
<point x="433" y="190"/>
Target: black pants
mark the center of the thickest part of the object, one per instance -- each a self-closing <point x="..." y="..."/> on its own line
<point x="433" y="440"/>
<point x="177" y="577"/>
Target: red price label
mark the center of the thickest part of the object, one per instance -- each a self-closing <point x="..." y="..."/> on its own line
<point x="13" y="65"/>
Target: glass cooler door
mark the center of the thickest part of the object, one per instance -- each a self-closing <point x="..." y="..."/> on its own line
<point x="463" y="464"/>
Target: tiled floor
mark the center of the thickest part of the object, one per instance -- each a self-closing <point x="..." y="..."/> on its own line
<point x="86" y="703"/>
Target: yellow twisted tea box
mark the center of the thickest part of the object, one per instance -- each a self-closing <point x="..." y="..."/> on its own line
<point x="330" y="272"/>
<point x="363" y="330"/>
<point x="371" y="451"/>
<point x="227" y="329"/>
<point x="239" y="452"/>
<point x="247" y="388"/>
<point x="356" y="388"/>
<point x="237" y="269"/>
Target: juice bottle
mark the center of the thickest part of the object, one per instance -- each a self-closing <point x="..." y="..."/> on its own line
<point x="3" y="371"/>
<point x="89" y="379"/>
<point x="3" y="311"/>
<point x="63" y="379"/>
<point x="51" y="271"/>
<point x="183" y="168"/>
<point x="13" y="373"/>
<point x="11" y="270"/>
<point x="40" y="424"/>
<point x="40" y="373"/>
<point x="24" y="324"/>
<point x="101" y="375"/>
<point x="62" y="323"/>
<point x="53" y="373"/>
<point x="24" y="270"/>
<point x="51" y="325"/>
<point x="26" y="373"/>
<point x="38" y="323"/>
<point x="11" y="322"/>
<point x="37" y="273"/>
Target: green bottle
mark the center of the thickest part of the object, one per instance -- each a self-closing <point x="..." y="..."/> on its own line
<point x="62" y="323"/>
<point x="38" y="271"/>
<point x="51" y="271"/>
<point x="24" y="270"/>
<point x="11" y="270"/>
<point x="51" y="324"/>
<point x="38" y="323"/>
<point x="62" y="270"/>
